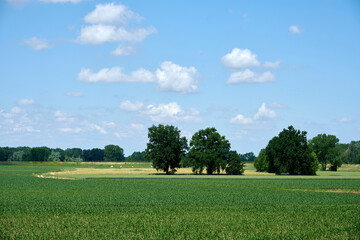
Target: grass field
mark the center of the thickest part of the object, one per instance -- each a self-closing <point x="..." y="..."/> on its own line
<point x="132" y="201"/>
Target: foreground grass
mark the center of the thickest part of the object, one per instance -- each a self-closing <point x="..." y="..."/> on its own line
<point x="165" y="207"/>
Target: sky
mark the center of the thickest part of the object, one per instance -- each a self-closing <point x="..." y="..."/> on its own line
<point x="84" y="73"/>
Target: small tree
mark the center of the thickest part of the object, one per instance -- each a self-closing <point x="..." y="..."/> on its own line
<point x="235" y="166"/>
<point x="261" y="164"/>
<point x="113" y="153"/>
<point x="208" y="149"/>
<point x="165" y="148"/>
<point x="324" y="146"/>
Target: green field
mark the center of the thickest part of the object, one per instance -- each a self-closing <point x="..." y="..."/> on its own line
<point x="35" y="204"/>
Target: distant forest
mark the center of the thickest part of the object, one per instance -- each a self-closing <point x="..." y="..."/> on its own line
<point x="348" y="153"/>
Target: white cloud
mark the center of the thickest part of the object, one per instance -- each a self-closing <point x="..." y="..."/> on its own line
<point x="70" y="130"/>
<point x="115" y="74"/>
<point x="98" y="34"/>
<point x="171" y="112"/>
<point x="345" y="120"/>
<point x="74" y="94"/>
<point x="294" y="29"/>
<point x="63" y="117"/>
<point x="248" y="76"/>
<point x="131" y="107"/>
<point x="61" y="1"/>
<point x="172" y="77"/>
<point x="98" y="128"/>
<point x="36" y="44"/>
<point x="123" y="50"/>
<point x="275" y="64"/>
<point x="264" y="113"/>
<point x="240" y="119"/>
<point x="240" y="58"/>
<point x="24" y="102"/>
<point x="111" y="13"/>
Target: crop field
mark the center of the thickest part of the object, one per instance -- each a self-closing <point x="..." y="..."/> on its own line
<point x="132" y="201"/>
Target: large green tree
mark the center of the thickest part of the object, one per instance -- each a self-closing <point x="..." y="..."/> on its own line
<point x="210" y="150"/>
<point x="113" y="153"/>
<point x="324" y="146"/>
<point x="234" y="164"/>
<point x="289" y="153"/>
<point x="165" y="148"/>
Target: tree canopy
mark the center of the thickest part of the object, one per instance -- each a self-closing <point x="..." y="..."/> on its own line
<point x="113" y="153"/>
<point x="289" y="153"/>
<point x="234" y="164"/>
<point x="208" y="149"/>
<point x="165" y="148"/>
<point x="324" y="146"/>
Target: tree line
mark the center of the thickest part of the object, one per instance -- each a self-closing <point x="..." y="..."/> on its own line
<point x="111" y="153"/>
<point x="288" y="153"/>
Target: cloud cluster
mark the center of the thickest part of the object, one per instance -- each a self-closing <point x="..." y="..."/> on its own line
<point x="169" y="77"/>
<point x="163" y="113"/>
<point x="108" y="23"/>
<point x="264" y="112"/>
<point x="240" y="60"/>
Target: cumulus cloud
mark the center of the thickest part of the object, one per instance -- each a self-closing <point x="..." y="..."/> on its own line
<point x="248" y="76"/>
<point x="115" y="74"/>
<point x="25" y="102"/>
<point x="264" y="112"/>
<point x="169" y="77"/>
<point x="240" y="58"/>
<point x="130" y="106"/>
<point x="294" y="29"/>
<point x="36" y="44"/>
<point x="99" y="33"/>
<point x="122" y="50"/>
<point x="171" y="112"/>
<point x="172" y="77"/>
<point x="275" y="64"/>
<point x="107" y="24"/>
<point x="111" y="13"/>
<point x="240" y="119"/>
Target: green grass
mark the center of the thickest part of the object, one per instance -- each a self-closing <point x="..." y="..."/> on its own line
<point x="168" y="207"/>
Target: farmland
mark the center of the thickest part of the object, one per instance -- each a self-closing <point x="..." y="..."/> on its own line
<point x="131" y="201"/>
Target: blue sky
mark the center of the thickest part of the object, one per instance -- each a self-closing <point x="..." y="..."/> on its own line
<point x="82" y="73"/>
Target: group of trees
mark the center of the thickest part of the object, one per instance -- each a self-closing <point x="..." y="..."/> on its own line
<point x="111" y="153"/>
<point x="290" y="152"/>
<point x="208" y="150"/>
